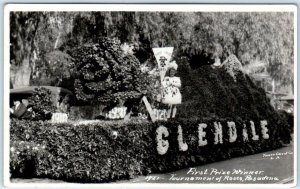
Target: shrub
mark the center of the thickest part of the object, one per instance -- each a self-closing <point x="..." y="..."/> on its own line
<point x="22" y="158"/>
<point x="42" y="104"/>
<point x="289" y="118"/>
<point x="108" y="151"/>
<point x="105" y="74"/>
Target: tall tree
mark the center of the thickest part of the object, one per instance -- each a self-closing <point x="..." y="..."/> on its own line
<point x="202" y="36"/>
<point x="23" y="28"/>
<point x="251" y="36"/>
<point x="51" y="64"/>
<point x="34" y="37"/>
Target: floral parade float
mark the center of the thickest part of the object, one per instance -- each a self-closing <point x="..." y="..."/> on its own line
<point x="220" y="113"/>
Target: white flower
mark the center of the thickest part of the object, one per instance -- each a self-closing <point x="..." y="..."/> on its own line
<point x="114" y="134"/>
<point x="27" y="147"/>
<point x="12" y="149"/>
<point x="173" y="64"/>
<point x="232" y="66"/>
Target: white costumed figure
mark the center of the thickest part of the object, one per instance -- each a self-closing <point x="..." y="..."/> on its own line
<point x="170" y="89"/>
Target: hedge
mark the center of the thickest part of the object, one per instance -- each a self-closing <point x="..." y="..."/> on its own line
<point x="94" y="153"/>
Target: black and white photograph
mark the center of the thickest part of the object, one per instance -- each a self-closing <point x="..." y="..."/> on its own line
<point x="124" y="95"/>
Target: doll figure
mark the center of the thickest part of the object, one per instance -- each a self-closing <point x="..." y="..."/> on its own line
<point x="170" y="89"/>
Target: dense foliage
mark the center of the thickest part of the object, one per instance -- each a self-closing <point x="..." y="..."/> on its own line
<point x="289" y="118"/>
<point x="22" y="38"/>
<point x="53" y="69"/>
<point x="212" y="92"/>
<point x="42" y="104"/>
<point x="110" y="151"/>
<point x="106" y="74"/>
<point x="201" y="36"/>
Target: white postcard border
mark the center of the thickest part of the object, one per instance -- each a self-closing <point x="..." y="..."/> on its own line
<point x="138" y="7"/>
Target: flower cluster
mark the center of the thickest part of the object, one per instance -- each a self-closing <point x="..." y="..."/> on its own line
<point x="232" y="66"/>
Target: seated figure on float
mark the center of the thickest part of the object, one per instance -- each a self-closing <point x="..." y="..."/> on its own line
<point x="18" y="110"/>
<point x="170" y="89"/>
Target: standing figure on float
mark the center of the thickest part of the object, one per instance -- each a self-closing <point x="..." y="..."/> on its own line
<point x="170" y="89"/>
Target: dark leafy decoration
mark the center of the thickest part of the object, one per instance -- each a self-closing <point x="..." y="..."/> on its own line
<point x="212" y="92"/>
<point x="42" y="104"/>
<point x="106" y="74"/>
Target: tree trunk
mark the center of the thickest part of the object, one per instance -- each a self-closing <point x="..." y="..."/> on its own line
<point x="20" y="75"/>
<point x="24" y="26"/>
<point x="57" y="40"/>
<point x="292" y="87"/>
<point x="273" y="86"/>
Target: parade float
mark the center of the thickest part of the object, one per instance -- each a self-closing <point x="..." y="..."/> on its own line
<point x="196" y="116"/>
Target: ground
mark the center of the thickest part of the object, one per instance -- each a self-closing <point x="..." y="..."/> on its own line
<point x="273" y="164"/>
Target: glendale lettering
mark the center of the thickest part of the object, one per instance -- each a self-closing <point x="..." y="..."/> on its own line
<point x="218" y="133"/>
<point x="232" y="131"/>
<point x="162" y="145"/>
<point x="201" y="134"/>
<point x="231" y="134"/>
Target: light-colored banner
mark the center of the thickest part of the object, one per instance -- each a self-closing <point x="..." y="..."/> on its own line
<point x="163" y="57"/>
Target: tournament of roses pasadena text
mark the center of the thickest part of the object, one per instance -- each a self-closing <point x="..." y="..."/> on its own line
<point x="218" y="175"/>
